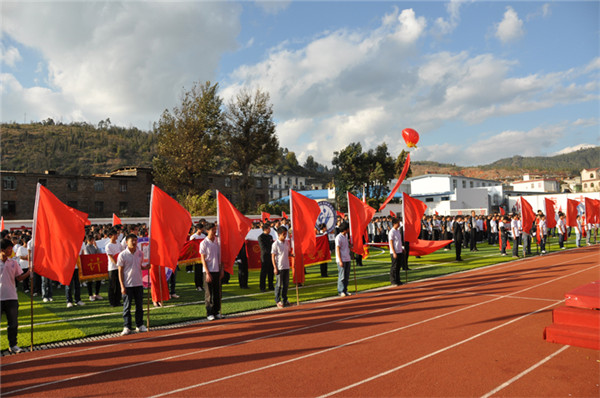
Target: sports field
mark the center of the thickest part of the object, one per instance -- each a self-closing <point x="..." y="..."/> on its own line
<point x="54" y="323"/>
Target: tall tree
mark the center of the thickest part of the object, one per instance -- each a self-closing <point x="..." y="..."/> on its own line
<point x="250" y="138"/>
<point x="189" y="140"/>
<point x="350" y="171"/>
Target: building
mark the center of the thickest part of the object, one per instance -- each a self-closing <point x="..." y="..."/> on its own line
<point x="229" y="185"/>
<point x="536" y="184"/>
<point x="125" y="191"/>
<point x="279" y="184"/>
<point x="590" y="180"/>
<point x="571" y="185"/>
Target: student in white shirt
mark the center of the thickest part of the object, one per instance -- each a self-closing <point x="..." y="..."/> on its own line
<point x="132" y="288"/>
<point x="112" y="252"/>
<point x="342" y="255"/>
<point x="396" y="245"/>
<point x="281" y="253"/>
<point x="210" y="253"/>
<point x="10" y="273"/>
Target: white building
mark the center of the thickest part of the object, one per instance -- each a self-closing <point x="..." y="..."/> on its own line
<point x="280" y="184"/>
<point x="590" y="180"/>
<point x="536" y="184"/>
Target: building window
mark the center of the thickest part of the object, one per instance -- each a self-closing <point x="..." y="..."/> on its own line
<point x="591" y="175"/>
<point x="591" y="185"/>
<point x="122" y="207"/>
<point x="453" y="184"/>
<point x="470" y="184"/>
<point x="99" y="207"/>
<point x="122" y="186"/>
<point x="585" y="185"/>
<point x="464" y="184"/>
<point x="428" y="199"/>
<point x="98" y="186"/>
<point x="43" y="181"/>
<point x="9" y="207"/>
<point x="227" y="182"/>
<point x="532" y="185"/>
<point x="9" y="183"/>
<point x="445" y="198"/>
<point x="72" y="184"/>
<point x="72" y="203"/>
<point x="259" y="183"/>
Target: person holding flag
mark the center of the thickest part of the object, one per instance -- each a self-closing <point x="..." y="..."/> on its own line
<point x="343" y="259"/>
<point x="210" y="252"/>
<point x="132" y="288"/>
<point x="396" y="244"/>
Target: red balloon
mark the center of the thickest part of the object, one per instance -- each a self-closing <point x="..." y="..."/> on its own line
<point x="411" y="137"/>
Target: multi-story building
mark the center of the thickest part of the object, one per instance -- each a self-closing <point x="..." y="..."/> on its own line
<point x="590" y="180"/>
<point x="279" y="184"/>
<point x="536" y="184"/>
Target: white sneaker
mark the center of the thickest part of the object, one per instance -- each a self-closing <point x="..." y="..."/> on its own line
<point x="92" y="298"/>
<point x="348" y="294"/>
<point x="141" y="329"/>
<point x="50" y="299"/>
<point x="342" y="294"/>
<point x="15" y="349"/>
<point x="80" y="302"/>
<point x="210" y="317"/>
<point x="125" y="331"/>
<point x="45" y="300"/>
<point x="175" y="296"/>
<point x="99" y="297"/>
<point x="69" y="305"/>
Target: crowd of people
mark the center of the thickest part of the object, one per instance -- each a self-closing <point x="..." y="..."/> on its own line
<point x="125" y="260"/>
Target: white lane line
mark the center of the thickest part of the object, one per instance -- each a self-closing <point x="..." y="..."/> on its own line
<point x="523" y="373"/>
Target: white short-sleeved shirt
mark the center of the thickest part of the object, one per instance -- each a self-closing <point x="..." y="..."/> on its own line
<point x="22" y="252"/>
<point x="395" y="241"/>
<point x="132" y="267"/>
<point x="281" y="251"/>
<point x="341" y="241"/>
<point x="198" y="236"/>
<point x="514" y="228"/>
<point x="114" y="249"/>
<point x="9" y="270"/>
<point x="212" y="254"/>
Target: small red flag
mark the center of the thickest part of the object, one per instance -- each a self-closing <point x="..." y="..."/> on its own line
<point x="283" y="215"/>
<point x="398" y="183"/>
<point x="339" y="213"/>
<point x="392" y="214"/>
<point x="550" y="214"/>
<point x="265" y="216"/>
<point x="436" y="213"/>
<point x="360" y="215"/>
<point x="572" y="212"/>
<point x="169" y="227"/>
<point x="57" y="235"/>
<point x="305" y="212"/>
<point x="116" y="220"/>
<point x="592" y="211"/>
<point x="233" y="228"/>
<point x="528" y="215"/>
<point x="502" y="212"/>
<point x="413" y="214"/>
<point x="2" y="226"/>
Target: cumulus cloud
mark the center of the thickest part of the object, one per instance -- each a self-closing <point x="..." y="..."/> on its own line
<point x="9" y="56"/>
<point x="574" y="149"/>
<point x="445" y="26"/>
<point x="511" y="27"/>
<point x="273" y="6"/>
<point x="127" y="61"/>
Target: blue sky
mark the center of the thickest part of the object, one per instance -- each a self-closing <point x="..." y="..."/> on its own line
<point x="478" y="80"/>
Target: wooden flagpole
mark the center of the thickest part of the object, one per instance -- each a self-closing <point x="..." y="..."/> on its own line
<point x="296" y="255"/>
<point x="30" y="259"/>
<point x="31" y="287"/>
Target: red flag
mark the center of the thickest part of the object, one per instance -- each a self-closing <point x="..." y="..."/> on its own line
<point x="305" y="212"/>
<point x="392" y="214"/>
<point x="425" y="247"/>
<point x="528" y="215"/>
<point x="413" y="214"/>
<point x="283" y="215"/>
<point x="169" y="227"/>
<point x="83" y="216"/>
<point x="360" y="215"/>
<point x="572" y="212"/>
<point x="502" y="212"/>
<point x="116" y="220"/>
<point x="57" y="236"/>
<point x="265" y="216"/>
<point x="400" y="179"/>
<point x="339" y="213"/>
<point x="233" y="228"/>
<point x="592" y="211"/>
<point x="2" y="224"/>
<point x="508" y="246"/>
<point x="550" y="214"/>
<point x="436" y="213"/>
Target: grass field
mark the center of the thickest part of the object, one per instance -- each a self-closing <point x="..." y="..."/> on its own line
<point x="53" y="322"/>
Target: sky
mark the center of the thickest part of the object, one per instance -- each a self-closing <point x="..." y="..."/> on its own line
<point x="479" y="80"/>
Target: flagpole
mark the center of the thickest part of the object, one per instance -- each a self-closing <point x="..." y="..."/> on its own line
<point x="220" y="258"/>
<point x="404" y="237"/>
<point x="31" y="287"/>
<point x="350" y="222"/>
<point x="32" y="252"/>
<point x="294" y="250"/>
<point x="149" y="260"/>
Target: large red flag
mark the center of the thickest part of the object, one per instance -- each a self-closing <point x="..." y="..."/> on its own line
<point x="233" y="228"/>
<point x="528" y="216"/>
<point x="398" y="183"/>
<point x="592" y="211"/>
<point x="360" y="215"/>
<point x="57" y="236"/>
<point x="413" y="214"/>
<point x="550" y="214"/>
<point x="169" y="227"/>
<point x="305" y="212"/>
<point x="116" y="220"/>
<point x="572" y="212"/>
<point x="82" y="215"/>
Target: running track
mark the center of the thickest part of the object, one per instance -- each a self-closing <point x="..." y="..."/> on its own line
<point x="476" y="333"/>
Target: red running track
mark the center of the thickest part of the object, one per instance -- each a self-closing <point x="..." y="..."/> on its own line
<point x="477" y="333"/>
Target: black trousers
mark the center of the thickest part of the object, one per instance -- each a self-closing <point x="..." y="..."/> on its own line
<point x="398" y="263"/>
<point x="323" y="270"/>
<point x="11" y="309"/>
<point x="114" y="288"/>
<point x="266" y="272"/>
<point x="473" y="239"/>
<point x="243" y="273"/>
<point x="458" y="248"/>
<point x="212" y="294"/>
<point x="198" y="276"/>
<point x="135" y="293"/>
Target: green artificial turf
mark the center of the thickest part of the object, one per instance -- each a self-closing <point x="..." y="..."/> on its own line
<point x="53" y="322"/>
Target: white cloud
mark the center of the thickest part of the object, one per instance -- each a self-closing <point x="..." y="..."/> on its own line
<point x="446" y="26"/>
<point x="574" y="149"/>
<point x="544" y="11"/>
<point x="127" y="61"/>
<point x="410" y="28"/>
<point x="273" y="6"/>
<point x="9" y="56"/>
<point x="511" y="27"/>
<point x="586" y="122"/>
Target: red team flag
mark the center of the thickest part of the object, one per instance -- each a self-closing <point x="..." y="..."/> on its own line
<point x="283" y="215"/>
<point x="360" y="215"/>
<point x="413" y="214"/>
<point x="572" y="212"/>
<point x="398" y="183"/>
<point x="502" y="212"/>
<point x="233" y="228"/>
<point x="57" y="236"/>
<point x="550" y="214"/>
<point x="528" y="216"/>
<point x="305" y="212"/>
<point x="2" y="224"/>
<point x="592" y="211"/>
<point x="116" y="220"/>
<point x="392" y="214"/>
<point x="82" y="215"/>
<point x="265" y="216"/>
<point x="339" y="213"/>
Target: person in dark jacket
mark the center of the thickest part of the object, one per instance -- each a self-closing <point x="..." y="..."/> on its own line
<point x="265" y="241"/>
<point x="458" y="231"/>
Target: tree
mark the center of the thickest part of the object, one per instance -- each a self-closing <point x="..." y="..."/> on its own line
<point x="310" y="164"/>
<point x="399" y="165"/>
<point x="199" y="205"/>
<point x="250" y="138"/>
<point x="189" y="140"/>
